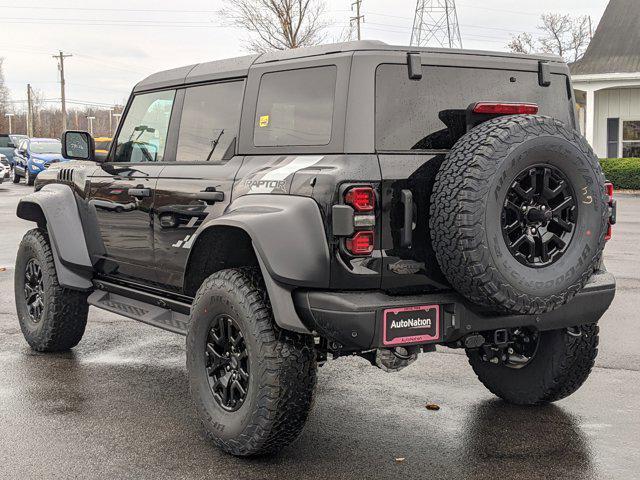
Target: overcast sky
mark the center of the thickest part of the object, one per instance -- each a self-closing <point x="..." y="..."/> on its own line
<point x="115" y="43"/>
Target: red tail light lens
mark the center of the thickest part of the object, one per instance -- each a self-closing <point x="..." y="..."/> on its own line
<point x="608" y="187"/>
<point x="362" y="199"/>
<point x="361" y="243"/>
<point x="492" y="108"/>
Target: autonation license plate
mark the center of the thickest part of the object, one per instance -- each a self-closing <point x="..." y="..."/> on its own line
<point x="411" y="325"/>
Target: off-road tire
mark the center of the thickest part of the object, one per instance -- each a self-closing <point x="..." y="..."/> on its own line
<point x="64" y="316"/>
<point x="561" y="364"/>
<point x="467" y="201"/>
<point x="282" y="368"/>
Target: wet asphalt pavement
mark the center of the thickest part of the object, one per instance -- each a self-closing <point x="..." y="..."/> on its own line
<point x="118" y="405"/>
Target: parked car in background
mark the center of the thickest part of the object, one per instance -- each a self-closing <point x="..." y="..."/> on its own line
<point x="102" y="145"/>
<point x="8" y="143"/>
<point x="4" y="170"/>
<point x="5" y="167"/>
<point x="34" y="155"/>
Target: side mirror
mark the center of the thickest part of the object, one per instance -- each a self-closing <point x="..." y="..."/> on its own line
<point x="77" y="145"/>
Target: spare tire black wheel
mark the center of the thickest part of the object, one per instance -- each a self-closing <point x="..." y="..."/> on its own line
<point x="519" y="214"/>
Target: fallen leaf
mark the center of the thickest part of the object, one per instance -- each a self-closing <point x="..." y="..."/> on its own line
<point x="399" y="459"/>
<point x="432" y="406"/>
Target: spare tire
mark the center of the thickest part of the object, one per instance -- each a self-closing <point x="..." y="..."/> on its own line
<point x="519" y="215"/>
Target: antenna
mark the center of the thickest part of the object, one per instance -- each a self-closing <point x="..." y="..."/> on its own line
<point x="436" y="24"/>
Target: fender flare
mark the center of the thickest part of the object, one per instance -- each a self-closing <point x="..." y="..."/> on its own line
<point x="289" y="240"/>
<point x="58" y="205"/>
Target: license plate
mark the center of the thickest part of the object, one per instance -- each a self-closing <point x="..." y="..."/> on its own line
<point x="411" y="325"/>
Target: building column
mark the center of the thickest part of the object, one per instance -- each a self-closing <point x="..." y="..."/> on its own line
<point x="590" y="117"/>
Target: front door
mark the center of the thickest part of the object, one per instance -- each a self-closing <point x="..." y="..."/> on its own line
<point x="199" y="183"/>
<point x="123" y="190"/>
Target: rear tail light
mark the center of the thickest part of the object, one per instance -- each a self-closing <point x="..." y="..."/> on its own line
<point x="362" y="199"/>
<point x="361" y="243"/>
<point x="612" y="209"/>
<point x="493" y="108"/>
<point x="362" y="220"/>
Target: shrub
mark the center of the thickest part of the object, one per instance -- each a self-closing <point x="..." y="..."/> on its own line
<point x="622" y="172"/>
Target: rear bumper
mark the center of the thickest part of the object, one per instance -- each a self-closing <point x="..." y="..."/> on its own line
<point x="354" y="319"/>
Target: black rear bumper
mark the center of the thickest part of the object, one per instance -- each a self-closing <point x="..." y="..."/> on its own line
<point x="354" y="319"/>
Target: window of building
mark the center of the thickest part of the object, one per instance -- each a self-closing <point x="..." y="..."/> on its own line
<point x="295" y="107"/>
<point x="209" y="123"/>
<point x="631" y="139"/>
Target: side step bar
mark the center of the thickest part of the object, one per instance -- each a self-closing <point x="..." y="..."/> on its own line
<point x="142" y="311"/>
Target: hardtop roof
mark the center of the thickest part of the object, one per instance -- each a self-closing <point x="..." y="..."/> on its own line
<point x="239" y="66"/>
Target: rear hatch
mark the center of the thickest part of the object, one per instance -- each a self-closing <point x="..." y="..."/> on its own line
<point x="417" y="120"/>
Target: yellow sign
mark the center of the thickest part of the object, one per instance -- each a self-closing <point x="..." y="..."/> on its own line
<point x="264" y="121"/>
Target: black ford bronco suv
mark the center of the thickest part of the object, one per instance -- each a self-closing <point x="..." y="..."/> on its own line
<point x="350" y="199"/>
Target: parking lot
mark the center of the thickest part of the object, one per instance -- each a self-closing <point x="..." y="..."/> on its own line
<point x="118" y="405"/>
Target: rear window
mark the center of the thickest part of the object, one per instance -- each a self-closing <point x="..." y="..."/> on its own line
<point x="429" y="114"/>
<point x="295" y="107"/>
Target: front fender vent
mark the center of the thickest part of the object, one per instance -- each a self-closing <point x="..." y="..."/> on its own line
<point x="65" y="175"/>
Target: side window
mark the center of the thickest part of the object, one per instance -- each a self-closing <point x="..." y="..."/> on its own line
<point x="144" y="130"/>
<point x="295" y="107"/>
<point x="209" y="124"/>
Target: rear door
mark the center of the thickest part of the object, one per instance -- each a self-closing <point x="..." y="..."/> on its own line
<point x="124" y="188"/>
<point x="199" y="183"/>
<point x="417" y="121"/>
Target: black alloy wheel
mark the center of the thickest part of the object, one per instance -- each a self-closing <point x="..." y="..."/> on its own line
<point x="227" y="363"/>
<point x="539" y="216"/>
<point x="34" y="290"/>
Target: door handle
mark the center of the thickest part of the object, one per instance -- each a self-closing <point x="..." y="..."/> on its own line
<point x="139" y="192"/>
<point x="210" y="197"/>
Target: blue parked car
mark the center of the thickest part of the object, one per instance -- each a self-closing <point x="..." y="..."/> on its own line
<point x="34" y="155"/>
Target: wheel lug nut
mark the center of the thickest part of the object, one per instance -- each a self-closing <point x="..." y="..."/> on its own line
<point x="510" y="351"/>
<point x="533" y="231"/>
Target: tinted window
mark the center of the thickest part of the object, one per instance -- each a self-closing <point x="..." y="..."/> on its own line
<point x="430" y="113"/>
<point x="4" y="141"/>
<point x="45" y="147"/>
<point x="209" y="123"/>
<point x="295" y="107"/>
<point x="144" y="130"/>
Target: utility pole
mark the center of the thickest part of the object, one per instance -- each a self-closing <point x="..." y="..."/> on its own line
<point x="117" y="117"/>
<point x="29" y="112"/>
<point x="60" y="57"/>
<point x="9" y="115"/>
<point x="358" y="18"/>
<point x="90" y="120"/>
<point x="590" y="29"/>
<point x="110" y="120"/>
<point x="436" y="24"/>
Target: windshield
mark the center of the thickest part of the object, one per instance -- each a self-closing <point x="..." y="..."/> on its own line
<point x="45" y="147"/>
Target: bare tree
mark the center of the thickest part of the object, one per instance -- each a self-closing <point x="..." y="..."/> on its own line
<point x="522" y="43"/>
<point x="4" y="99"/>
<point x="278" y="24"/>
<point x="559" y="34"/>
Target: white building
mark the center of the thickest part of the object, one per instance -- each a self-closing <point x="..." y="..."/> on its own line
<point x="607" y="83"/>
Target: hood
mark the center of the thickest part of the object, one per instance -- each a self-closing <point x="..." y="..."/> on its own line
<point x="48" y="157"/>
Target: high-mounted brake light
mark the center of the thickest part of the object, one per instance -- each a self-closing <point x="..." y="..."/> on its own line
<point x="608" y="187"/>
<point x="362" y="199"/>
<point x="361" y="243"/>
<point x="493" y="108"/>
